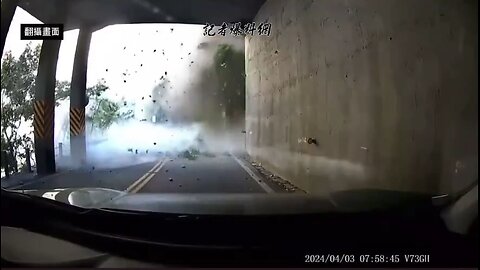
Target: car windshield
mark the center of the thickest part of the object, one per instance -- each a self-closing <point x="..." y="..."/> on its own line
<point x="228" y="97"/>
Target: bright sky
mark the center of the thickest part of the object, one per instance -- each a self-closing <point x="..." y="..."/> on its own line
<point x="128" y="49"/>
<point x="144" y="52"/>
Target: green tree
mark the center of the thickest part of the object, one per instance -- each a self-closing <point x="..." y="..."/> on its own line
<point x="104" y="112"/>
<point x="17" y="96"/>
<point x="221" y="89"/>
<point x="229" y="65"/>
<point x="62" y="91"/>
<point x="17" y="92"/>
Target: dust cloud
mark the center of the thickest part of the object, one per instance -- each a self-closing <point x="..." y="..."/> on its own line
<point x="182" y="117"/>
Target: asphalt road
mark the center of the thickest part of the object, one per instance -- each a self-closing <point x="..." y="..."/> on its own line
<point x="205" y="174"/>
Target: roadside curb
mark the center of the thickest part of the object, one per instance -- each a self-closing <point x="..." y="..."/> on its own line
<point x="276" y="182"/>
<point x="253" y="173"/>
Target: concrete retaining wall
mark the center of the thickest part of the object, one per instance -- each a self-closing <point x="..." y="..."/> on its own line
<point x="388" y="88"/>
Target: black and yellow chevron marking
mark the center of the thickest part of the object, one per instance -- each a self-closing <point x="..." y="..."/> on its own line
<point x="43" y="119"/>
<point x="77" y="121"/>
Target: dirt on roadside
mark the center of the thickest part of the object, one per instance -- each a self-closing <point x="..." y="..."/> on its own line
<point x="279" y="181"/>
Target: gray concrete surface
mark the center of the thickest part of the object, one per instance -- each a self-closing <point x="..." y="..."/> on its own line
<point x="45" y="93"/>
<point x="116" y="178"/>
<point x="78" y="94"/>
<point x="18" y="179"/>
<point x="219" y="174"/>
<point x="389" y="90"/>
<point x="206" y="174"/>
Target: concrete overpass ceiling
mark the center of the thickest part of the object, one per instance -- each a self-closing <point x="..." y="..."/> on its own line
<point x="101" y="13"/>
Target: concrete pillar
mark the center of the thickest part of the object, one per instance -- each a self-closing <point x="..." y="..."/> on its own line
<point x="78" y="101"/>
<point x="44" y="107"/>
<point x="8" y="10"/>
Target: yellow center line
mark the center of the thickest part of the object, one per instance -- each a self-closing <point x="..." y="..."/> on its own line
<point x="132" y="186"/>
<point x="143" y="183"/>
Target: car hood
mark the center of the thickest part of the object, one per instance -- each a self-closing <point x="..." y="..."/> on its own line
<point x="236" y="204"/>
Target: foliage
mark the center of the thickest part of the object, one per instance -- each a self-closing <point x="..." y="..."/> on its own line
<point x="104" y="112"/>
<point x="17" y="90"/>
<point x="97" y="90"/>
<point x="221" y="89"/>
<point x="17" y="97"/>
<point x="229" y="66"/>
<point x="129" y="114"/>
<point x="62" y="91"/>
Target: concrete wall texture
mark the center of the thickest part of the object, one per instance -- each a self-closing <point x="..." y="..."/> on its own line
<point x="388" y="88"/>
